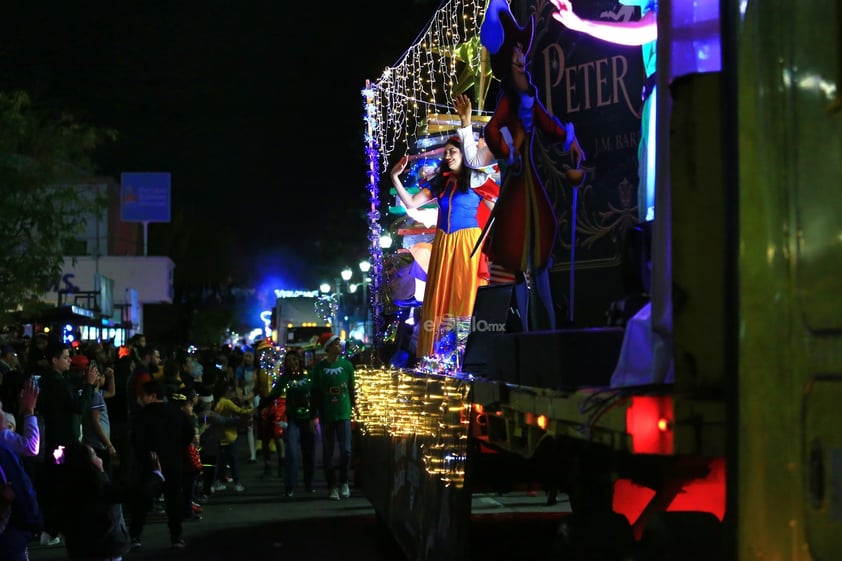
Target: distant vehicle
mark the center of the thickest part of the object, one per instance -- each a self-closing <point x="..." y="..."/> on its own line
<point x="298" y="321"/>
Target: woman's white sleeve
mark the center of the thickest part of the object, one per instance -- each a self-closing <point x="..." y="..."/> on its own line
<point x="474" y="157"/>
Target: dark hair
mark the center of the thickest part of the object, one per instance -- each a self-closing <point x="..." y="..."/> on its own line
<point x="220" y="389"/>
<point x="78" y="469"/>
<point x="201" y="407"/>
<point x="171" y="369"/>
<point x="210" y="375"/>
<point x="287" y="371"/>
<point x="55" y="348"/>
<point x="147" y="351"/>
<point x="509" y="90"/>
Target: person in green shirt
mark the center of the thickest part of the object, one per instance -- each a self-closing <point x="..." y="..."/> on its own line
<point x="295" y="386"/>
<point x="332" y="400"/>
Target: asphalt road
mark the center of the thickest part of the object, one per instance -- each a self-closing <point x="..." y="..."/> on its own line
<point x="261" y="524"/>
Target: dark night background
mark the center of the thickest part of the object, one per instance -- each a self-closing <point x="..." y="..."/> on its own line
<point x="253" y="107"/>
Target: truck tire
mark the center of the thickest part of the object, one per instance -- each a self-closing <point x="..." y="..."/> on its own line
<point x="684" y="536"/>
<point x="593" y="536"/>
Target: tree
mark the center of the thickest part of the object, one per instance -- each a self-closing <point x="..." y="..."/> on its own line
<point x="42" y="153"/>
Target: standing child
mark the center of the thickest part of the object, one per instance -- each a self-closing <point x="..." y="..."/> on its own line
<point x="210" y="434"/>
<point x="248" y="378"/>
<point x="272" y="422"/>
<point x="228" y="442"/>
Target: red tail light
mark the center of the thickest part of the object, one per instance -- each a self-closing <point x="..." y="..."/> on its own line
<point x="649" y="420"/>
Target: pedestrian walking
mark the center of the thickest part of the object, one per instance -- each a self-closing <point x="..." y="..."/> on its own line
<point x="332" y="400"/>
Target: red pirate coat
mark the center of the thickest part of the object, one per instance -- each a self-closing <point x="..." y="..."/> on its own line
<point x="525" y="223"/>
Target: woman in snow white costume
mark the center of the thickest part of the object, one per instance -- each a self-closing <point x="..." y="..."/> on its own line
<point x="523" y="231"/>
<point x="453" y="273"/>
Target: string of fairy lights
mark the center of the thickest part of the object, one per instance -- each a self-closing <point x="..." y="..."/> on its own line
<point x="399" y="102"/>
<point x="432" y="409"/>
<point x="374" y="232"/>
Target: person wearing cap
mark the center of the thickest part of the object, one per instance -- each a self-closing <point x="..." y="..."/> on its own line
<point x="79" y="366"/>
<point x="192" y="458"/>
<point x="453" y="273"/>
<point x="333" y="397"/>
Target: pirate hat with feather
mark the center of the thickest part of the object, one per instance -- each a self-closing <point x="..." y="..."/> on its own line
<point x="500" y="32"/>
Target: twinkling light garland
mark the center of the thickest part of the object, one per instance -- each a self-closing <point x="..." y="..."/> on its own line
<point x="327" y="306"/>
<point x="426" y="77"/>
<point x="375" y="253"/>
<point x="433" y="409"/>
<point x="270" y="360"/>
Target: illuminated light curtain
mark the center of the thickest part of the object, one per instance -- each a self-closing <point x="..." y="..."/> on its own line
<point x="423" y="79"/>
<point x="434" y="410"/>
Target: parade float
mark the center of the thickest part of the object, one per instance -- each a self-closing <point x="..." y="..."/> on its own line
<point x="644" y="462"/>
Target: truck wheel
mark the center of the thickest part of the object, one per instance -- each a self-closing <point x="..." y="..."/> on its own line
<point x="593" y="536"/>
<point x="688" y="536"/>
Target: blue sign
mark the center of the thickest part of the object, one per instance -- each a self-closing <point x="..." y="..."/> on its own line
<point x="145" y="197"/>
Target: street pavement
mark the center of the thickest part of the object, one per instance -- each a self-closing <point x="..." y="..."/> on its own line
<point x="261" y="524"/>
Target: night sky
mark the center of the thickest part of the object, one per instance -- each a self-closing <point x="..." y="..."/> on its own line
<point x="253" y="107"/>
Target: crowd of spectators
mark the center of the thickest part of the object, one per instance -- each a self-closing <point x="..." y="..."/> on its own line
<point x="115" y="432"/>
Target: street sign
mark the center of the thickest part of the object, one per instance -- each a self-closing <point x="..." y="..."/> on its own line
<point x="145" y="197"/>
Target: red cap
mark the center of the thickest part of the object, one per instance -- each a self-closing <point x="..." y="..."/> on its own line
<point x="326" y="339"/>
<point x="79" y="362"/>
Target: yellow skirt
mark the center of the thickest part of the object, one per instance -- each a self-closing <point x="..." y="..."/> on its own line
<point x="452" y="284"/>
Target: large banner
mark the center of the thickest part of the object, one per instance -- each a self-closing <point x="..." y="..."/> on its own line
<point x="597" y="86"/>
